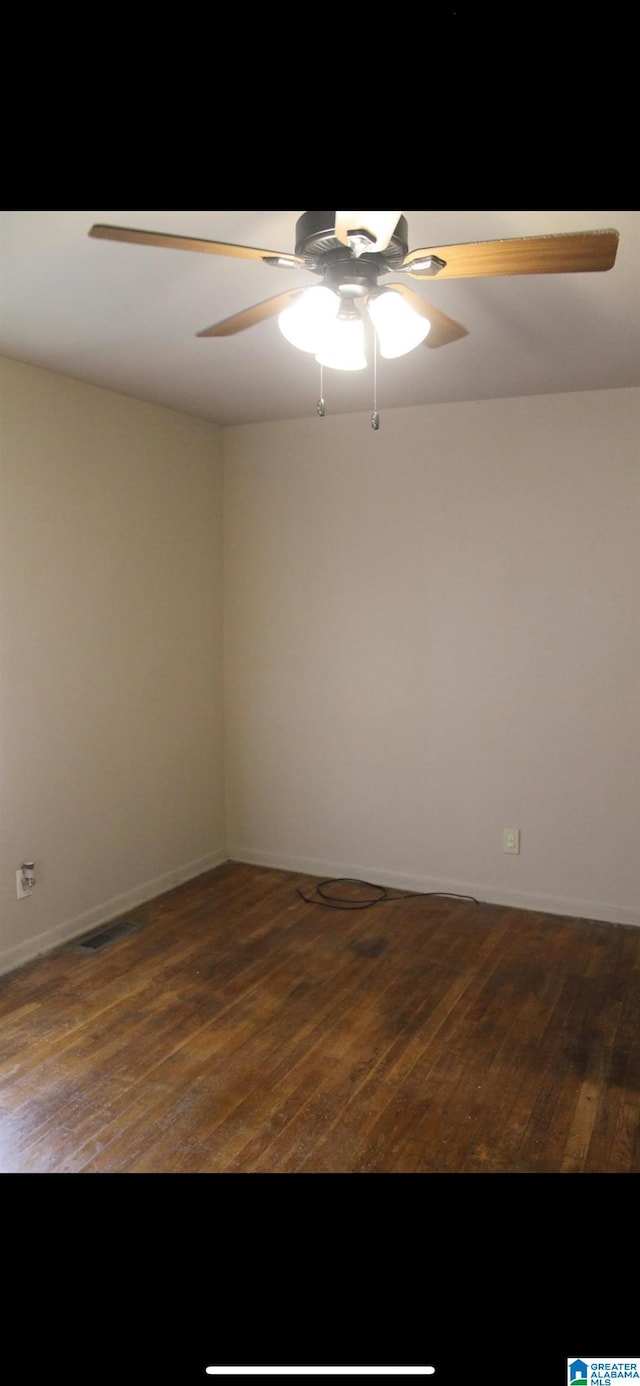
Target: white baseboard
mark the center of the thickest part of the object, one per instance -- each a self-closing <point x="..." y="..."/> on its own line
<point x="601" y="911"/>
<point x="109" y="909"/>
<point x="309" y="866"/>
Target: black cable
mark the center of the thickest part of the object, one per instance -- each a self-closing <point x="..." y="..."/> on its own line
<point x="340" y="902"/>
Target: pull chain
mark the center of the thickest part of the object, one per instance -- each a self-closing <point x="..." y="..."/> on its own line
<point x="320" y="404"/>
<point x="375" y="417"/>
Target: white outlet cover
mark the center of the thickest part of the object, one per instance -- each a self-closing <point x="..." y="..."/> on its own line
<point x="21" y="889"/>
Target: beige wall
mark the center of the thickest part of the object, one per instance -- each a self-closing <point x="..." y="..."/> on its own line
<point x="432" y="633"/>
<point x="110" y="702"/>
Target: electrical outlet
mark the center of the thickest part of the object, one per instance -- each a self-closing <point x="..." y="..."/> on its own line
<point x="21" y="888"/>
<point x="511" y="840"/>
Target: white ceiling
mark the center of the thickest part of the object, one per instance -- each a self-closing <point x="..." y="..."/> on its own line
<point x="126" y="316"/>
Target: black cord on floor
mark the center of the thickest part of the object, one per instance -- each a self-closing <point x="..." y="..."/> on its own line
<point x="340" y="902"/>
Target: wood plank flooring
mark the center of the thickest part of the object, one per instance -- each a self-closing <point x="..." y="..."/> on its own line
<point x="243" y="1030"/>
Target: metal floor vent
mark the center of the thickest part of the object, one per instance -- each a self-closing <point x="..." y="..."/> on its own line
<point x="94" y="943"/>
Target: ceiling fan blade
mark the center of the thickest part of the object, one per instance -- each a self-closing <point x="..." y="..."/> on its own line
<point x="381" y="225"/>
<point x="567" y="253"/>
<point x="242" y="252"/>
<point x="259" y="312"/>
<point x="443" y="329"/>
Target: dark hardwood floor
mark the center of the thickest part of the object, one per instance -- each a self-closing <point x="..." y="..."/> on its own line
<point x="244" y="1030"/>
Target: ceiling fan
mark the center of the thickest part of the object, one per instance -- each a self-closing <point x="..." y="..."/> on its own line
<point x="350" y="252"/>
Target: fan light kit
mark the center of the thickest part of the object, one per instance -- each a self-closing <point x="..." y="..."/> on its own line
<point x="350" y="251"/>
<point x="330" y="325"/>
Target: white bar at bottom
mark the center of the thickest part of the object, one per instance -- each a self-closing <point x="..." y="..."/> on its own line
<point x="320" y="1371"/>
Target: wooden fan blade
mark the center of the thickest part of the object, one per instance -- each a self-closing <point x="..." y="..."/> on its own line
<point x="567" y="253"/>
<point x="242" y="252"/>
<point x="258" y="313"/>
<point x="443" y="329"/>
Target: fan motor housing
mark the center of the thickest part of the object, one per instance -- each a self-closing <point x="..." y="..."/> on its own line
<point x="348" y="277"/>
<point x="316" y="240"/>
